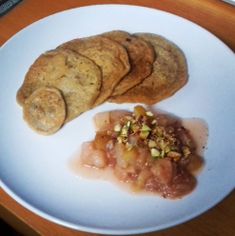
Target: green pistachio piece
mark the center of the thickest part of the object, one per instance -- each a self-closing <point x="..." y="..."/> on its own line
<point x="154" y="122"/>
<point x="186" y="151"/>
<point x="167" y="149"/>
<point x="128" y="124"/>
<point x="174" y="155"/>
<point x="124" y="131"/>
<point x="149" y="113"/>
<point x="152" y="144"/>
<point x="117" y="128"/>
<point x="144" y="134"/>
<point x="155" y="152"/>
<point x="145" y="128"/>
<point x="162" y="153"/>
<point x="134" y="127"/>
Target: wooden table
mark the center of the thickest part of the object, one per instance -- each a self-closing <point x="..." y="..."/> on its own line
<point x="217" y="17"/>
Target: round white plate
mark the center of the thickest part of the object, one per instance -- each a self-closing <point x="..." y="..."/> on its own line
<point x="34" y="169"/>
<point x="230" y="1"/>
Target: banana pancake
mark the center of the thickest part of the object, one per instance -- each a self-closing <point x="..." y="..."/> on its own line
<point x="44" y="110"/>
<point x="141" y="55"/>
<point x="76" y="76"/>
<point x="169" y="73"/>
<point x="109" y="55"/>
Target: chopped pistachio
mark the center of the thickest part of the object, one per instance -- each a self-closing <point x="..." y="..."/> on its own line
<point x="186" y="151"/>
<point x="161" y="140"/>
<point x="154" y="122"/>
<point x="174" y="155"/>
<point x="117" y="128"/>
<point x="152" y="144"/>
<point x="149" y="113"/>
<point x="144" y="134"/>
<point x="145" y="128"/>
<point x="162" y="153"/>
<point x="124" y="139"/>
<point x="174" y="148"/>
<point x="124" y="131"/>
<point x="162" y="144"/>
<point x="172" y="139"/>
<point x="134" y="127"/>
<point x="119" y="139"/>
<point x="159" y="131"/>
<point x="167" y="149"/>
<point x="155" y="152"/>
<point x="128" y="124"/>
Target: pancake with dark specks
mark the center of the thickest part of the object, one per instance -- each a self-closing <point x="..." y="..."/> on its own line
<point x="169" y="74"/>
<point x="141" y="55"/>
<point x="109" y="55"/>
<point x="44" y="110"/>
<point x="76" y="76"/>
<point x="115" y="66"/>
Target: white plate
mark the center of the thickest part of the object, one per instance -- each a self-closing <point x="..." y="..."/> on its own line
<point x="230" y="1"/>
<point x="34" y="169"/>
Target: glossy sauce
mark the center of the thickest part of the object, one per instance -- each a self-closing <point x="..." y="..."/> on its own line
<point x="199" y="132"/>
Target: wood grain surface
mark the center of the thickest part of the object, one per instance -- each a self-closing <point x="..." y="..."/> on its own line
<point x="214" y="15"/>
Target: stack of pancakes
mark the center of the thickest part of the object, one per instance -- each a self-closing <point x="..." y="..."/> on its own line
<point x="115" y="66"/>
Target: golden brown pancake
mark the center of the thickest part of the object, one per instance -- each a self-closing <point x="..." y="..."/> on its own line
<point x="76" y="76"/>
<point x="106" y="53"/>
<point x="141" y="55"/>
<point x="44" y="110"/>
<point x="168" y="76"/>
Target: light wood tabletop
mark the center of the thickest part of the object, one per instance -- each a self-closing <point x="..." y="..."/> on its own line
<point x="216" y="16"/>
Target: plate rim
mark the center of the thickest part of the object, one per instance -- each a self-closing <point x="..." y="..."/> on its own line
<point x="93" y="229"/>
<point x="114" y="5"/>
<point x="101" y="230"/>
